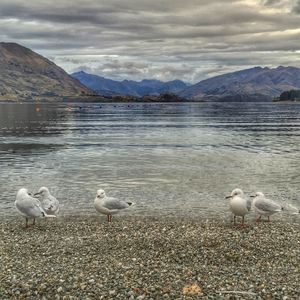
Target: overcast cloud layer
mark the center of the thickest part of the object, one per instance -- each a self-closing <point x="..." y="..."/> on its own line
<point x="135" y="39"/>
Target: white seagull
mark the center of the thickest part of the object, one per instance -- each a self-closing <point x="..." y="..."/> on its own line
<point x="29" y="207"/>
<point x="108" y="205"/>
<point x="49" y="203"/>
<point x="293" y="210"/>
<point x="264" y="206"/>
<point x="238" y="204"/>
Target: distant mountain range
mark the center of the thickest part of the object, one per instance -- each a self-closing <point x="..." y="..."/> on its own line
<point x="26" y="74"/>
<point x="255" y="84"/>
<point x="108" y="87"/>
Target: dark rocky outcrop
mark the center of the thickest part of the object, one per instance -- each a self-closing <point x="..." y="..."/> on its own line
<point x="25" y="74"/>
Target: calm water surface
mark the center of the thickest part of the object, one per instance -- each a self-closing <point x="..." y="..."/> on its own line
<point x="168" y="158"/>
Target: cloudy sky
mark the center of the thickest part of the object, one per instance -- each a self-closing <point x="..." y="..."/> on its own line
<point x="163" y="39"/>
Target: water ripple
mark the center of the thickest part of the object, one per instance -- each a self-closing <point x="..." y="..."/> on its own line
<point x="168" y="158"/>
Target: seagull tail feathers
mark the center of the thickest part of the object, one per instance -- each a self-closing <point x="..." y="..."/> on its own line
<point x="131" y="203"/>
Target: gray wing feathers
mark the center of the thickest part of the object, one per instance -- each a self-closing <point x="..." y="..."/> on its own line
<point x="46" y="204"/>
<point x="30" y="206"/>
<point x="113" y="203"/>
<point x="50" y="204"/>
<point x="249" y="204"/>
<point x="267" y="205"/>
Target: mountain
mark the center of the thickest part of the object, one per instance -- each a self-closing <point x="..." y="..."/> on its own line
<point x="109" y="87"/>
<point x="25" y="74"/>
<point x="255" y="84"/>
<point x="101" y="85"/>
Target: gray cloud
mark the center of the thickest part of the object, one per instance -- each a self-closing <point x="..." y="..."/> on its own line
<point x="296" y="8"/>
<point x="190" y="39"/>
<point x="271" y="2"/>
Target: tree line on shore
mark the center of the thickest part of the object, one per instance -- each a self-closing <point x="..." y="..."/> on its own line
<point x="292" y="95"/>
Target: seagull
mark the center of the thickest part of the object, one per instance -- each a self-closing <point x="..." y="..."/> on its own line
<point x="238" y="204"/>
<point x="292" y="209"/>
<point x="108" y="205"/>
<point x="264" y="206"/>
<point x="49" y="203"/>
<point x="29" y="207"/>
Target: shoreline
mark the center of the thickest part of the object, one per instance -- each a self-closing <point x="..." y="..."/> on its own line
<point x="80" y="257"/>
<point x="82" y="101"/>
<point x="132" y="216"/>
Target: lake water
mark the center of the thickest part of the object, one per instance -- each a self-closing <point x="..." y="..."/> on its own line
<point x="171" y="159"/>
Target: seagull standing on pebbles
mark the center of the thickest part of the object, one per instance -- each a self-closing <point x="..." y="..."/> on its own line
<point x="29" y="207"/>
<point x="264" y="206"/>
<point x="238" y="204"/>
<point x="49" y="203"/>
<point x="108" y="205"/>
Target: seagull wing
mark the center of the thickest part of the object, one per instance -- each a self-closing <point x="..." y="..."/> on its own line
<point x="50" y="204"/>
<point x="30" y="206"/>
<point x="249" y="204"/>
<point x="267" y="205"/>
<point x="113" y="203"/>
<point x="46" y="203"/>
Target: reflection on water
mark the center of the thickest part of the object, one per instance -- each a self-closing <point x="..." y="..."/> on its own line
<point x="168" y="158"/>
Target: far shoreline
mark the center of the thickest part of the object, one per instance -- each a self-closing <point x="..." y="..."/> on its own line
<point x="163" y="98"/>
<point x="110" y="101"/>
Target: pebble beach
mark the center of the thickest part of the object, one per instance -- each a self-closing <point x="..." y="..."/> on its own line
<point x="148" y="258"/>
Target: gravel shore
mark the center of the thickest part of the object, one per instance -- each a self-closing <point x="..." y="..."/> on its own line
<point x="148" y="258"/>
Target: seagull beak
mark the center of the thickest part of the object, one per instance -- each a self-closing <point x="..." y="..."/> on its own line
<point x="36" y="194"/>
<point x="252" y="196"/>
<point x="227" y="197"/>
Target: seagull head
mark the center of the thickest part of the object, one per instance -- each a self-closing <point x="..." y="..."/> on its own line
<point x="257" y="194"/>
<point x="100" y="193"/>
<point x="43" y="191"/>
<point x="23" y="192"/>
<point x="235" y="192"/>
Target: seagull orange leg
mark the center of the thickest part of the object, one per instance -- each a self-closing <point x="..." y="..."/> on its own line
<point x="241" y="225"/>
